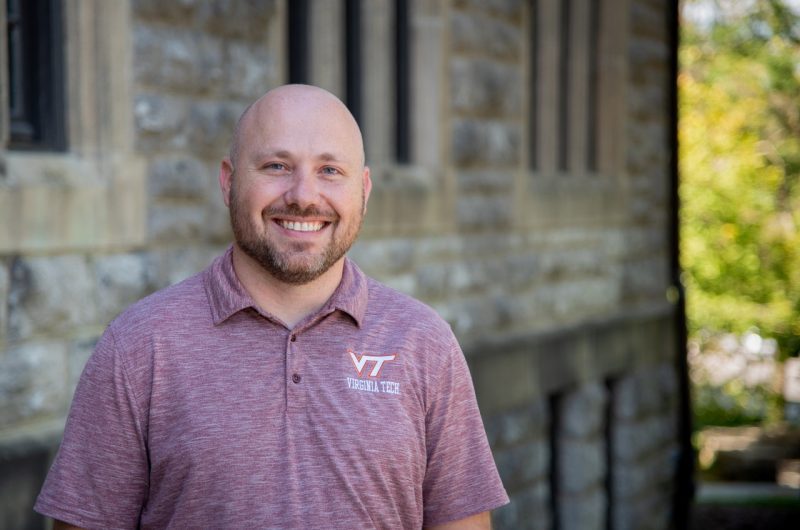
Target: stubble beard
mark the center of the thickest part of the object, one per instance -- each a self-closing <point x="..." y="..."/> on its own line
<point x="293" y="265"/>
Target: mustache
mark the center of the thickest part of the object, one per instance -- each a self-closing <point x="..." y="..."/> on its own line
<point x="294" y="210"/>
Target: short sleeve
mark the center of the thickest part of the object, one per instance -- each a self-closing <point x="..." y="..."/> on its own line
<point x="461" y="478"/>
<point x="99" y="478"/>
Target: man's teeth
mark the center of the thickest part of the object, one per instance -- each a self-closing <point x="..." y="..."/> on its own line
<point x="302" y="227"/>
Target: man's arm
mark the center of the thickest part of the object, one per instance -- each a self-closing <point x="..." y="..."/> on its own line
<point x="480" y="521"/>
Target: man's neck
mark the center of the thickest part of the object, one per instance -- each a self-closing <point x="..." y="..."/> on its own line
<point x="290" y="303"/>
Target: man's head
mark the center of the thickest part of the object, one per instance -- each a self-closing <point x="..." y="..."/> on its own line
<point x="295" y="182"/>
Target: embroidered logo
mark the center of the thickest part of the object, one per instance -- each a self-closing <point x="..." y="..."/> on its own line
<point x="360" y="361"/>
<point x="368" y="367"/>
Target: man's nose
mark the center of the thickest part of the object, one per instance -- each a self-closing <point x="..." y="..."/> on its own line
<point x="303" y="189"/>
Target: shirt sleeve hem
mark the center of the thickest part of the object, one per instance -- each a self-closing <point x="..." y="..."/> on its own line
<point x="70" y="516"/>
<point x="475" y="509"/>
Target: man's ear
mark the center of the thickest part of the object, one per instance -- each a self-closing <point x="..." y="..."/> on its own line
<point x="226" y="179"/>
<point x="367" y="186"/>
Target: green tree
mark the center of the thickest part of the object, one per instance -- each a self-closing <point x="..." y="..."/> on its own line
<point x="739" y="133"/>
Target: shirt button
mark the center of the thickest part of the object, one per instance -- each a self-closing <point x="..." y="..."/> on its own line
<point x="296" y="378"/>
<point x="293" y="338"/>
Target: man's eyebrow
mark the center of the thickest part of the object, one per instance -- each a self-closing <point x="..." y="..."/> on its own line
<point x="280" y="153"/>
<point x="283" y="153"/>
<point x="328" y="157"/>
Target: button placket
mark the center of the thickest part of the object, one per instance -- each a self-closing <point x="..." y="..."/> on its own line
<point x="294" y="372"/>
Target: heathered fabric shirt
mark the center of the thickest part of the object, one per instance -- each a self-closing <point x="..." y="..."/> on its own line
<point x="198" y="410"/>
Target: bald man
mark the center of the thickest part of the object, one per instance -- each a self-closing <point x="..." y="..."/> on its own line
<point x="280" y="387"/>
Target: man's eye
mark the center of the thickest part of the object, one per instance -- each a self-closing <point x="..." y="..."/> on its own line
<point x="328" y="170"/>
<point x="275" y="166"/>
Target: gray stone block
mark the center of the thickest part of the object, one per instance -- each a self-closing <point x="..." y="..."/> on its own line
<point x="432" y="281"/>
<point x="528" y="509"/>
<point x="583" y="512"/>
<point x="526" y="423"/>
<point x="479" y="212"/>
<point x="178" y="12"/>
<point x="486" y="181"/>
<point x="218" y="221"/>
<point x="475" y="33"/>
<point x="522" y="465"/>
<point x="32" y="382"/>
<point x="50" y="296"/>
<point x="583" y="411"/>
<point x="248" y="20"/>
<point x="4" y="302"/>
<point x="439" y="248"/>
<point x="177" y="59"/>
<point x="634" y="440"/>
<point x="160" y="122"/>
<point x="250" y="69"/>
<point x="179" y="177"/>
<point x="631" y="479"/>
<point x="650" y="511"/>
<point x="521" y="271"/>
<point x="176" y="221"/>
<point x="485" y="143"/>
<point x="485" y="88"/>
<point x="209" y="128"/>
<point x="168" y="266"/>
<point x="581" y="465"/>
<point x="384" y="256"/>
<point x="122" y="279"/>
<point x="626" y="404"/>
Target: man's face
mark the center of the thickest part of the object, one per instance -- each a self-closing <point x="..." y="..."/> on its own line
<point x="298" y="188"/>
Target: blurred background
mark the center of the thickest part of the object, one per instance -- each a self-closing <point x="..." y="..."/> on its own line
<point x="600" y="197"/>
<point x="739" y="157"/>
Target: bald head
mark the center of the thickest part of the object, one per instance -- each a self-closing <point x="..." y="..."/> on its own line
<point x="305" y="105"/>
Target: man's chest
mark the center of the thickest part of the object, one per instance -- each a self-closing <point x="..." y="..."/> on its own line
<point x="288" y="406"/>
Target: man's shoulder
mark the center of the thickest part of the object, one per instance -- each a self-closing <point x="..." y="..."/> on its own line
<point x="393" y="305"/>
<point x="182" y="301"/>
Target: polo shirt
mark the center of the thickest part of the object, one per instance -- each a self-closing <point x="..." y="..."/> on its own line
<point x="197" y="409"/>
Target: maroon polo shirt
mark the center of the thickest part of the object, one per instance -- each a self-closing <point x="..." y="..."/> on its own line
<point x="200" y="410"/>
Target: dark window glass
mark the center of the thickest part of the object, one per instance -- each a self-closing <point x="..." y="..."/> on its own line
<point x="564" y="85"/>
<point x="592" y="92"/>
<point x="352" y="47"/>
<point x="402" y="83"/>
<point x="533" y="94"/>
<point x="298" y="18"/>
<point x="35" y="75"/>
<point x="554" y="409"/>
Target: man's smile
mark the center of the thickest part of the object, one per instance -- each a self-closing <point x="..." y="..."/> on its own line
<point x="302" y="226"/>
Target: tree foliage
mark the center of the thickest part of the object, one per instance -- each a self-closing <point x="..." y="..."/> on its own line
<point x="739" y="133"/>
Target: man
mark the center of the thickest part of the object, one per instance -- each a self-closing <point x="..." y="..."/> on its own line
<point x="279" y="388"/>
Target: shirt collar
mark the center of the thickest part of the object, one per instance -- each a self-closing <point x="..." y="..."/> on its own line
<point x="226" y="294"/>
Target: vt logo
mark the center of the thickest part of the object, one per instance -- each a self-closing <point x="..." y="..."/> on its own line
<point x="360" y="362"/>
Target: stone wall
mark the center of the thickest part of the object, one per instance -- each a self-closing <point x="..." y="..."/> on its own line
<point x="553" y="278"/>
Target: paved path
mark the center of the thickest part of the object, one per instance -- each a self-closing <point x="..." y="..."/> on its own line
<point x="746" y="506"/>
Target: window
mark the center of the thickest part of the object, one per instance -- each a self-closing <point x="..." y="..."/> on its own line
<point x="571" y="50"/>
<point x="35" y="75"/>
<point x="373" y="66"/>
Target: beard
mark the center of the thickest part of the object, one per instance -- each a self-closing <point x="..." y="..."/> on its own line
<point x="294" y="264"/>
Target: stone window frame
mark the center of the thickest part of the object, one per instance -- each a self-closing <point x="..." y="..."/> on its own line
<point x="93" y="194"/>
<point x="421" y="185"/>
<point x="607" y="78"/>
<point x="593" y="186"/>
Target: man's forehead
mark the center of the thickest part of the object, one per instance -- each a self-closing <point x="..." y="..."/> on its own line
<point x="291" y="114"/>
<point x="288" y="153"/>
